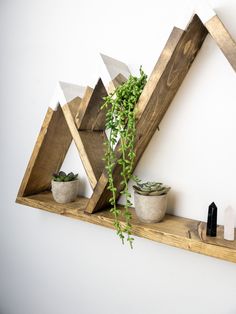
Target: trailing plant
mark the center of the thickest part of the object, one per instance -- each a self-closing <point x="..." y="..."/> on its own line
<point x="61" y="176"/>
<point x="150" y="188"/>
<point x="120" y="121"/>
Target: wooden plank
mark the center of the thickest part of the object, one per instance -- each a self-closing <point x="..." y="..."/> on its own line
<point x="90" y="147"/>
<point x="223" y="39"/>
<point x="79" y="144"/>
<point x="117" y="81"/>
<point x="90" y="115"/>
<point x="175" y="231"/>
<point x="45" y="201"/>
<point x="165" y="80"/>
<point x="93" y="146"/>
<point x="83" y="106"/>
<point x="53" y="141"/>
<point x="219" y="240"/>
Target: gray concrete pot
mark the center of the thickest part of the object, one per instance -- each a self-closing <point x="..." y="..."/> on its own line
<point x="150" y="208"/>
<point x="65" y="192"/>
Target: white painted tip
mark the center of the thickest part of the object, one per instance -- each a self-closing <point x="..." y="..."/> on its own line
<point x="72" y="91"/>
<point x="204" y="11"/>
<point x="200" y="7"/>
<point x="115" y="67"/>
<point x="187" y="13"/>
<point x="64" y="93"/>
<point x="54" y="102"/>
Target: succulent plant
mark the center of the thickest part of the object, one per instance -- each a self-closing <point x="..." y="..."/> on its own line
<point x="61" y="176"/>
<point x="151" y="188"/>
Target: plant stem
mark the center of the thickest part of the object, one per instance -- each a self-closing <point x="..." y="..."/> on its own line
<point x="120" y="120"/>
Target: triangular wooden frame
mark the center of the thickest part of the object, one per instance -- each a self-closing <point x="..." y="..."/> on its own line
<point x="167" y="76"/>
<point x="80" y="119"/>
<point x="59" y="129"/>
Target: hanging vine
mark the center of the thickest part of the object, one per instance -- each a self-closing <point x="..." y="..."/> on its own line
<point x="120" y="121"/>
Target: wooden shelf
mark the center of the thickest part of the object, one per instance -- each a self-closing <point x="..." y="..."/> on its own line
<point x="180" y="232"/>
<point x="82" y="120"/>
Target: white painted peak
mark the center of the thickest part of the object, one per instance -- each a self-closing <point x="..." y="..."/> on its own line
<point x="115" y="67"/>
<point x="71" y="91"/>
<point x="200" y="7"/>
<point x="54" y="102"/>
<point x="204" y="11"/>
<point x="64" y="93"/>
<point x="187" y="13"/>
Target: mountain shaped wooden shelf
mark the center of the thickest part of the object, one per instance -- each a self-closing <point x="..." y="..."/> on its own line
<point x="80" y="119"/>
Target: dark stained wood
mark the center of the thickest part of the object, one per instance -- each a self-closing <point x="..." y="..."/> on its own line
<point x="90" y="115"/>
<point x="223" y="39"/>
<point x="175" y="231"/>
<point x="49" y="152"/>
<point x="165" y="80"/>
<point x="93" y="146"/>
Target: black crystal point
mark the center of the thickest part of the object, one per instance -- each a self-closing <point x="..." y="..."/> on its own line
<point x="212" y="220"/>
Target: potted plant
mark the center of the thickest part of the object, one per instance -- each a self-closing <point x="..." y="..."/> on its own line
<point x="120" y="122"/>
<point x="150" y="200"/>
<point x="65" y="187"/>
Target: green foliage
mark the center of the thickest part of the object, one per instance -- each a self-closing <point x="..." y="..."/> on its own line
<point x="120" y="121"/>
<point x="150" y="188"/>
<point x="61" y="176"/>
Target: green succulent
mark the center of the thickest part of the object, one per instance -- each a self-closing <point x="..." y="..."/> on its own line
<point x="61" y="176"/>
<point x="151" y="188"/>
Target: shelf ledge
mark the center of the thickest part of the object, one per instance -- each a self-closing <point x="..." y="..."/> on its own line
<point x="175" y="231"/>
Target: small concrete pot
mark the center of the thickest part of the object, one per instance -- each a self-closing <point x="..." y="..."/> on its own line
<point x="65" y="192"/>
<point x="150" y="208"/>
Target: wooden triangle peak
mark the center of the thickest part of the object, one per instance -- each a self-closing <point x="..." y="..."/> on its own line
<point x="90" y="117"/>
<point x="77" y="116"/>
<point x="164" y="82"/>
<point x="115" y="67"/>
<point x="217" y="30"/>
<point x="118" y="72"/>
<point x="58" y="131"/>
<point x="64" y="93"/>
<point x="81" y="119"/>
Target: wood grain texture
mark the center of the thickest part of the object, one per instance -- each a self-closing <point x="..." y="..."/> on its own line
<point x="175" y="231"/>
<point x="165" y="80"/>
<point x="45" y="201"/>
<point x="219" y="240"/>
<point x="223" y="39"/>
<point x="80" y="146"/>
<point x="59" y="128"/>
<point x="84" y="104"/>
<point x="90" y="147"/>
<point x="90" y="115"/>
<point x="93" y="146"/>
<point x="49" y="152"/>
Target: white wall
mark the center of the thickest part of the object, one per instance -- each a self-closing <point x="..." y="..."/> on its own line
<point x="55" y="265"/>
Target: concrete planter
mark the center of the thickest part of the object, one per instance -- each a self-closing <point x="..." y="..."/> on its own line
<point x="150" y="208"/>
<point x="65" y="192"/>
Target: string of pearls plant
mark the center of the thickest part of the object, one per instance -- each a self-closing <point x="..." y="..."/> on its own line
<point x="120" y="121"/>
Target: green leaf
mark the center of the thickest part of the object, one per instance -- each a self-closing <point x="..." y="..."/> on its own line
<point x="120" y="120"/>
<point x="62" y="174"/>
